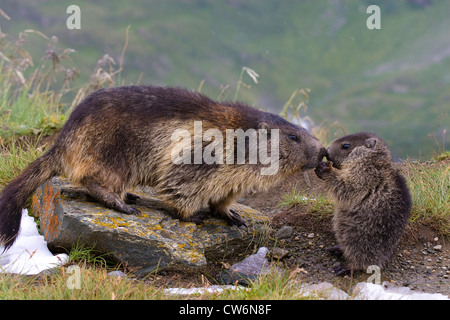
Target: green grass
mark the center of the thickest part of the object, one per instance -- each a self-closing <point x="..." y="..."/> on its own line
<point x="319" y="205"/>
<point x="26" y="112"/>
<point x="37" y="93"/>
<point x="275" y="285"/>
<point x="429" y="185"/>
<point x="15" y="157"/>
<point x="91" y="269"/>
<point x="94" y="281"/>
<point x="81" y="254"/>
<point x="96" y="284"/>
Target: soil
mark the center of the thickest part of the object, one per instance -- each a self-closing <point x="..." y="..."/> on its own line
<point x="417" y="263"/>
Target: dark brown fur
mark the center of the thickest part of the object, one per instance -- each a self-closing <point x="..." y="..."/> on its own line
<point x="372" y="201"/>
<point x="121" y="137"/>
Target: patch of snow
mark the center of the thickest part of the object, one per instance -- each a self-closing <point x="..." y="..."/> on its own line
<point x="370" y="291"/>
<point x="324" y="290"/>
<point x="202" y="290"/>
<point x="29" y="254"/>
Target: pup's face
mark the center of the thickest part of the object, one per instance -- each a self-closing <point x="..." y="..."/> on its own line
<point x="340" y="149"/>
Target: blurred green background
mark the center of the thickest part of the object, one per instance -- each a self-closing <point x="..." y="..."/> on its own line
<point x="394" y="81"/>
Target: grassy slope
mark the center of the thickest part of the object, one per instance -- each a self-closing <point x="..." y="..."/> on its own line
<point x="393" y="81"/>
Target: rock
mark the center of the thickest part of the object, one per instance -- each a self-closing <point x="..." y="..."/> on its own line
<point x="144" y="243"/>
<point x="284" y="232"/>
<point x="227" y="277"/>
<point x="255" y="264"/>
<point x="247" y="270"/>
<point x="278" y="253"/>
<point x="438" y="247"/>
<point x="117" y="274"/>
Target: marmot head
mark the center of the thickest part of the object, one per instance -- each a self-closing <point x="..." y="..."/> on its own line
<point x="298" y="149"/>
<point x="354" y="146"/>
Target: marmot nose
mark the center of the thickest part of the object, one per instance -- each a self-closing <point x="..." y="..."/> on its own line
<point x="323" y="153"/>
<point x="326" y="154"/>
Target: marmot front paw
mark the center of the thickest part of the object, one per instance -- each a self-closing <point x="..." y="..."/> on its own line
<point x="323" y="167"/>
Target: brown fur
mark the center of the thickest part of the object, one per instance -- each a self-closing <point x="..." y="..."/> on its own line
<point x="372" y="201"/>
<point x="121" y="137"/>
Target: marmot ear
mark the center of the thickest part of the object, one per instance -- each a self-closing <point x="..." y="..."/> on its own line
<point x="263" y="125"/>
<point x="370" y="143"/>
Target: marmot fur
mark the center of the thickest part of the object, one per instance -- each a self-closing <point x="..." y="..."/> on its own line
<point x="372" y="201"/>
<point x="120" y="137"/>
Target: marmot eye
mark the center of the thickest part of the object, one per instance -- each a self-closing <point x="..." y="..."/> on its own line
<point x="345" y="146"/>
<point x="293" y="137"/>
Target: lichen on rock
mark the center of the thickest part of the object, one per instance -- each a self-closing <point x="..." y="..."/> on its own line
<point x="144" y="243"/>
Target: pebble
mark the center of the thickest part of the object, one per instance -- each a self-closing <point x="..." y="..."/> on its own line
<point x="253" y="264"/>
<point x="247" y="270"/>
<point x="279" y="253"/>
<point x="437" y="247"/>
<point x="116" y="273"/>
<point x="310" y="235"/>
<point x="284" y="232"/>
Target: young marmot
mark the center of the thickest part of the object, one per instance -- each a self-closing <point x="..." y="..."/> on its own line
<point x="372" y="201"/>
<point x="120" y="137"/>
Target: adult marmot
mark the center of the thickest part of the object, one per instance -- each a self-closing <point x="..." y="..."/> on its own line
<point x="172" y="139"/>
<point x="372" y="201"/>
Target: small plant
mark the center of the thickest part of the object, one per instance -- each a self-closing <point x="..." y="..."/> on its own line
<point x="295" y="198"/>
<point x="277" y="284"/>
<point x="444" y="156"/>
<point x="430" y="192"/>
<point x="87" y="256"/>
<point x="252" y="74"/>
<point x="320" y="204"/>
<point x="441" y="154"/>
<point x="298" y="104"/>
<point x="37" y="95"/>
<point x="298" y="100"/>
<point x="15" y="157"/>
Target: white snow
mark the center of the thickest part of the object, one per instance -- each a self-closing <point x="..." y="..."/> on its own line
<point x="202" y="290"/>
<point x="29" y="254"/>
<point x="370" y="291"/>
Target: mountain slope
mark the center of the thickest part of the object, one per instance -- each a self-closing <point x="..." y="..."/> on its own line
<point x="393" y="81"/>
